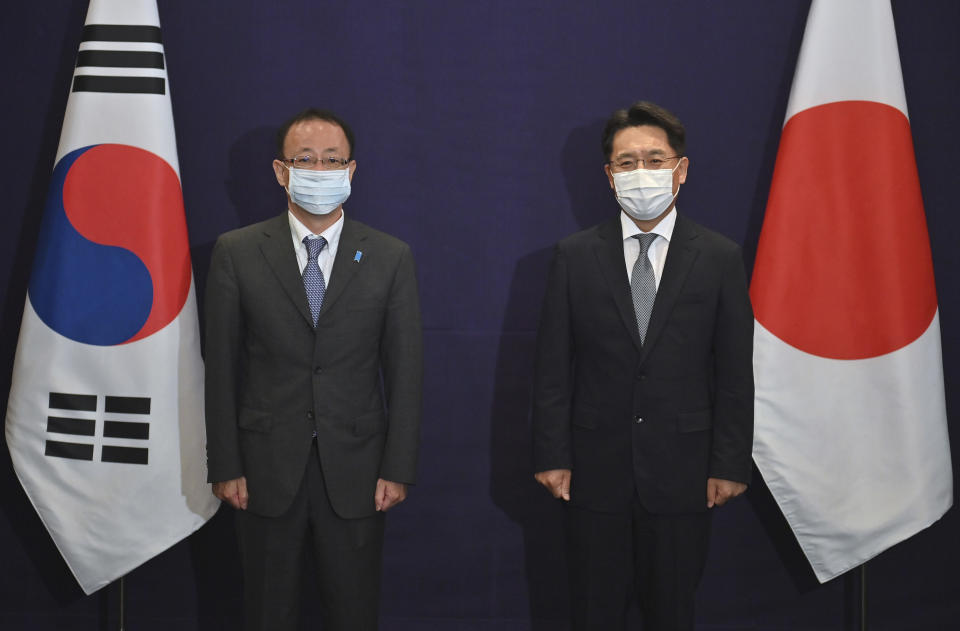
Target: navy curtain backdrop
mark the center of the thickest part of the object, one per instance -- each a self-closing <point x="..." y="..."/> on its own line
<point x="478" y="130"/>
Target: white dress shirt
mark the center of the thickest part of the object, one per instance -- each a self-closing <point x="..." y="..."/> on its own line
<point x="658" y="249"/>
<point x="325" y="260"/>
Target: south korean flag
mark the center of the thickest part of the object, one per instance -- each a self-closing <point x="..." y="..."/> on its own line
<point x="105" y="416"/>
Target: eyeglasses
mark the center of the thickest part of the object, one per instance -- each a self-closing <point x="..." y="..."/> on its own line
<point x="627" y="163"/>
<point x="325" y="162"/>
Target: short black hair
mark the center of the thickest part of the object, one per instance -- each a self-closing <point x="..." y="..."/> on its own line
<point x="310" y="114"/>
<point x="645" y="113"/>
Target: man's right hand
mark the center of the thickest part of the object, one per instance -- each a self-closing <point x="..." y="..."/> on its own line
<point x="557" y="481"/>
<point x="232" y="491"/>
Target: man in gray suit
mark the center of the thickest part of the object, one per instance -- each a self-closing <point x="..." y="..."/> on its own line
<point x="313" y="385"/>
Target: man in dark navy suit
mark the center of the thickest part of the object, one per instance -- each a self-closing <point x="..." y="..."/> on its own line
<point x="643" y="403"/>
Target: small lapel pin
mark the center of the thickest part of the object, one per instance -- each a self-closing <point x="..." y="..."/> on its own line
<point x="357" y="256"/>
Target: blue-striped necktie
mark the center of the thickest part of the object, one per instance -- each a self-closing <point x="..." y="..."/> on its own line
<point x="313" y="277"/>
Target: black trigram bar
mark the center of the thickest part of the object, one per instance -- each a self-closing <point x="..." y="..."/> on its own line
<point x="79" y="402"/>
<point x="124" y="455"/>
<point x="124" y="429"/>
<point x="121" y="33"/>
<point x="128" y="405"/>
<point x="120" y="58"/>
<point x="75" y="426"/>
<point x="120" y="85"/>
<point x="74" y="451"/>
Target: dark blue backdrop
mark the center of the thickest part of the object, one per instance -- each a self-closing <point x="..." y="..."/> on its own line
<point x="478" y="143"/>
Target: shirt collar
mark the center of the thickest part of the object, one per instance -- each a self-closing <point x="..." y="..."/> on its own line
<point x="300" y="231"/>
<point x="664" y="228"/>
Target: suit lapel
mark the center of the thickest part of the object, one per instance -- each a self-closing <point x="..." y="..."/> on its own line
<point x="277" y="248"/>
<point x="345" y="265"/>
<point x="680" y="257"/>
<point x="609" y="251"/>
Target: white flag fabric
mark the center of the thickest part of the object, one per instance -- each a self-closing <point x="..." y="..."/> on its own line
<point x="105" y="416"/>
<point x="851" y="426"/>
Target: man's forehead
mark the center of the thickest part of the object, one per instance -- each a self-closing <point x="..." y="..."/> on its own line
<point x="315" y="134"/>
<point x="640" y="138"/>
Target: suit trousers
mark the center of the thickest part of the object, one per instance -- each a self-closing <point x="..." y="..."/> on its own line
<point x="348" y="555"/>
<point x="614" y="558"/>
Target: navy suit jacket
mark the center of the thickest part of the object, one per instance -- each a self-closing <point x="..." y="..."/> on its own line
<point x="653" y="419"/>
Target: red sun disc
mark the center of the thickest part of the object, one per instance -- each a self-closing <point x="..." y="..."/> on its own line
<point x="843" y="266"/>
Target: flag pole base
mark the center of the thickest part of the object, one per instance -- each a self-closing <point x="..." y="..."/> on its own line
<point x="119" y="609"/>
<point x="863" y="596"/>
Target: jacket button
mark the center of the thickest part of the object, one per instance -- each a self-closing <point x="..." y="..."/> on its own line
<point x="317" y="370"/>
<point x="310" y="416"/>
<point x="641" y="376"/>
<point x="638" y="419"/>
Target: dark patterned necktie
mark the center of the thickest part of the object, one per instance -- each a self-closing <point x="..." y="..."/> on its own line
<point x="312" y="276"/>
<point x="643" y="284"/>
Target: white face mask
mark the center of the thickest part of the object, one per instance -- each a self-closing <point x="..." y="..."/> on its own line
<point x="318" y="192"/>
<point x="645" y="193"/>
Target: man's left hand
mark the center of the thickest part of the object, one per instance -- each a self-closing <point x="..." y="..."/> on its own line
<point x="389" y="494"/>
<point x="719" y="492"/>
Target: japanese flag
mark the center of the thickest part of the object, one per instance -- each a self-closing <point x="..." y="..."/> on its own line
<point x="851" y="427"/>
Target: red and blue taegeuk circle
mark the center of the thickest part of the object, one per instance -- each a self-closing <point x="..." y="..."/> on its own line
<point x="113" y="259"/>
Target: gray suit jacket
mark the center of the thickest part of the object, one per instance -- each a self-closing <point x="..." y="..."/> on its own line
<point x="272" y="379"/>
